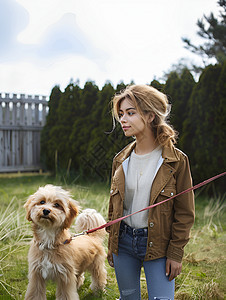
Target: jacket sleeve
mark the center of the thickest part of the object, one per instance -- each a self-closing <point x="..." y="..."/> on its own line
<point x="184" y="213"/>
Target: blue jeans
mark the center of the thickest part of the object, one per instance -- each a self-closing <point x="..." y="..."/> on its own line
<point x="128" y="264"/>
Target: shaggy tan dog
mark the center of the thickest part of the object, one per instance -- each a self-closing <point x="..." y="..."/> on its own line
<point x="52" y="211"/>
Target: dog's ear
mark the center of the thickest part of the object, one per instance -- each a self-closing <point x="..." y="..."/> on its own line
<point x="27" y="206"/>
<point x="73" y="212"/>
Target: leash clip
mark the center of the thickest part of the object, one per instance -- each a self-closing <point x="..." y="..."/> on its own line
<point x="74" y="236"/>
<point x="84" y="232"/>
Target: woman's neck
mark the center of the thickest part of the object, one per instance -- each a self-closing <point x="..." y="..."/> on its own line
<point x="145" y="143"/>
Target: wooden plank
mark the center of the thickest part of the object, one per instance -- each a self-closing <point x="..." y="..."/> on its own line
<point x="13" y="150"/>
<point x="14" y="114"/>
<point x="21" y="148"/>
<point x="38" y="147"/>
<point x="29" y="115"/>
<point x="22" y="114"/>
<point x="1" y="114"/>
<point x="36" y="114"/>
<point x="7" y="116"/>
<point x="1" y="149"/>
<point x="29" y="148"/>
<point x="24" y="135"/>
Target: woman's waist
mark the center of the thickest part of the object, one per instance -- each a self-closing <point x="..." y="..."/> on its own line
<point x="133" y="231"/>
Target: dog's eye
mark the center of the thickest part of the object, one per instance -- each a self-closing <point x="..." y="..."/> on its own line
<point x="42" y="202"/>
<point x="56" y="205"/>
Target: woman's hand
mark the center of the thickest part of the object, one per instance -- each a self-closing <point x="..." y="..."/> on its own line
<point x="110" y="259"/>
<point x="173" y="268"/>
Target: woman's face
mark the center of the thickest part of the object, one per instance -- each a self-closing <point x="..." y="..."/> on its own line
<point x="131" y="121"/>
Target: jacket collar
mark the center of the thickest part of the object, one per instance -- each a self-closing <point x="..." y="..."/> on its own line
<point x="169" y="153"/>
<point x="124" y="153"/>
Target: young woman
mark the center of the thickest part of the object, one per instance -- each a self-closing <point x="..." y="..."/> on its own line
<point x="147" y="171"/>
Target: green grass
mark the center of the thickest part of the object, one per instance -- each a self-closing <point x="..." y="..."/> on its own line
<point x="203" y="274"/>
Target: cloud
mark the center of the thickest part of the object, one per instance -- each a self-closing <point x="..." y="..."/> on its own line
<point x="65" y="37"/>
<point x="13" y="19"/>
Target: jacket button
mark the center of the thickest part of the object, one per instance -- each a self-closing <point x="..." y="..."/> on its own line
<point x="111" y="191"/>
<point x="150" y="244"/>
<point x="171" y="194"/>
<point x="151" y="224"/>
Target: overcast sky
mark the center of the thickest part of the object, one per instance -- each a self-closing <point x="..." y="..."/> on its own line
<point x="49" y="42"/>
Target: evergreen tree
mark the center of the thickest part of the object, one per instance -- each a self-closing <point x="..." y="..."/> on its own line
<point x="172" y="90"/>
<point x="180" y="106"/>
<point x="157" y="85"/>
<point x="99" y="144"/>
<point x="178" y="88"/>
<point x="89" y="98"/>
<point x="221" y="125"/>
<point x="47" y="155"/>
<point x="69" y="106"/>
<point x="84" y="124"/>
<point x="53" y="104"/>
<point x="204" y="141"/>
<point x="120" y="86"/>
<point x="67" y="112"/>
<point x="213" y="31"/>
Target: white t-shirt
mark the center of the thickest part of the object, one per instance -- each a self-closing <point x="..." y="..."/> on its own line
<point x="139" y="178"/>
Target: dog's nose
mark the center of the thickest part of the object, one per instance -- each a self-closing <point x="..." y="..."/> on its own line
<point x="46" y="212"/>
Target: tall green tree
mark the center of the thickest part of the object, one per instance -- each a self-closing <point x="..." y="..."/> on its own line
<point x="67" y="112"/>
<point x="84" y="123"/>
<point x="172" y="90"/>
<point x="69" y="106"/>
<point x="180" y="107"/>
<point x="99" y="143"/>
<point x="89" y="98"/>
<point x="47" y="155"/>
<point x="157" y="85"/>
<point x="120" y="86"/>
<point x="179" y="87"/>
<point x="205" y="126"/>
<point x="213" y="31"/>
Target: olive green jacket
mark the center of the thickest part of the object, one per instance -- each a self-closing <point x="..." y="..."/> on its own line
<point x="169" y="223"/>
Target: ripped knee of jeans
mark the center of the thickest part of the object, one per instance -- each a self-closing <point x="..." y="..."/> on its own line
<point x="161" y="298"/>
<point x="128" y="292"/>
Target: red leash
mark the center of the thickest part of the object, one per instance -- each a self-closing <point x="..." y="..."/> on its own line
<point x="146" y="208"/>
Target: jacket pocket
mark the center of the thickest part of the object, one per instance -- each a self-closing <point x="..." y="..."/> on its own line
<point x="167" y="192"/>
<point x="166" y="219"/>
<point x="116" y="201"/>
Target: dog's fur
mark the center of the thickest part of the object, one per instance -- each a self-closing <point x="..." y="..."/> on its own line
<point x="52" y="211"/>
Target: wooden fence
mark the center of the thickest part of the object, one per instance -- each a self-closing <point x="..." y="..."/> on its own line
<point x="21" y="121"/>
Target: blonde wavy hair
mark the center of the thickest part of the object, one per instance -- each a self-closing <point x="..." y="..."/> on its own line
<point x="147" y="99"/>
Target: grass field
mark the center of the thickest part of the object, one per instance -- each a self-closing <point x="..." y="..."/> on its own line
<point x="204" y="265"/>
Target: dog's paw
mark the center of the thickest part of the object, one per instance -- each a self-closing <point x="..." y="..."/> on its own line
<point x="97" y="288"/>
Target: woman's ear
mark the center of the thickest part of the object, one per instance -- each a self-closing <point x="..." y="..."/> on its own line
<point x="151" y="117"/>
